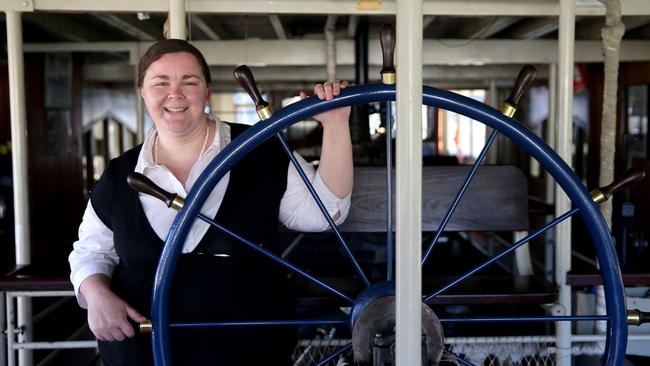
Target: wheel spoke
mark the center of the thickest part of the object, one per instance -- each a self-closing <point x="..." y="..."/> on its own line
<point x="513" y="319"/>
<point x="514" y="246"/>
<point x="459" y="195"/>
<point x="274" y="257"/>
<point x="460" y="360"/>
<point x="260" y="323"/>
<point x="329" y="358"/>
<point x="322" y="208"/>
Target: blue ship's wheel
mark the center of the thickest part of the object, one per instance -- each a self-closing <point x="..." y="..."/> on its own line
<point x="376" y="298"/>
<point x="583" y="205"/>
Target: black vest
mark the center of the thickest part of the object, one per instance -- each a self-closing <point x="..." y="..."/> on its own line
<point x="244" y="285"/>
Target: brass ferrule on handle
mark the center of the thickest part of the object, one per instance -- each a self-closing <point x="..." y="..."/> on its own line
<point x="598" y="196"/>
<point x="145" y="327"/>
<point x="177" y="203"/>
<point x="265" y="112"/>
<point x="637" y="317"/>
<point x="508" y="109"/>
<point x="628" y="178"/>
<point x="388" y="78"/>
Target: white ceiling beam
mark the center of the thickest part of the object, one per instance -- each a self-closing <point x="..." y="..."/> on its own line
<point x="591" y="28"/>
<point x="13" y="5"/>
<point x="125" y="27"/>
<point x="446" y="52"/>
<point x="532" y="28"/>
<point x="112" y="72"/>
<point x="278" y="27"/>
<point x="337" y="7"/>
<point x="204" y="27"/>
<point x="486" y="27"/>
<point x="312" y="52"/>
<point x="64" y="28"/>
<point x="427" y="20"/>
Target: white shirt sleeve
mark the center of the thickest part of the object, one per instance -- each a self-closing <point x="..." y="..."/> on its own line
<point x="93" y="253"/>
<point x="298" y="209"/>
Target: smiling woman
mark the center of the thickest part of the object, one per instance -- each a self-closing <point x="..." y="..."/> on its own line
<point x="121" y="236"/>
<point x="175" y="90"/>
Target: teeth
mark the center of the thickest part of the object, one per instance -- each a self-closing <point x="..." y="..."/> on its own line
<point x="175" y="109"/>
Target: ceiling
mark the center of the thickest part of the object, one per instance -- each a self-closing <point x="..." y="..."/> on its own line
<point x="450" y="33"/>
<point x="88" y="27"/>
<point x="102" y="27"/>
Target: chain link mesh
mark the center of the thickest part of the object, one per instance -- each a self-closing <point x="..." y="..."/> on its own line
<point x="311" y="352"/>
<point x="506" y="354"/>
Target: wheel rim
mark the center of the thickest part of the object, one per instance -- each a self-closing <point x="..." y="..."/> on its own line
<point x="616" y="334"/>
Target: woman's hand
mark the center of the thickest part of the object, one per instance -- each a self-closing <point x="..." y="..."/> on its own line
<point x="327" y="91"/>
<point x="335" y="166"/>
<point x="108" y="314"/>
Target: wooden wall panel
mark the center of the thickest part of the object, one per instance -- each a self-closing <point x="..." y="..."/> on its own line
<point x="56" y="196"/>
<point x="6" y="222"/>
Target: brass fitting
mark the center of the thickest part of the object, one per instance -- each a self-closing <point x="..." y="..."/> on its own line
<point x="388" y="77"/>
<point x="508" y="109"/>
<point x="598" y="196"/>
<point x="177" y="203"/>
<point x="265" y="113"/>
<point x="146" y="327"/>
<point x="634" y="317"/>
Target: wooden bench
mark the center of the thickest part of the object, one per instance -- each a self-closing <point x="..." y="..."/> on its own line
<point x="31" y="278"/>
<point x="593" y="278"/>
<point x="496" y="200"/>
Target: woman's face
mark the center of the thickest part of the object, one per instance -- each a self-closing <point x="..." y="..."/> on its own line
<point x="175" y="93"/>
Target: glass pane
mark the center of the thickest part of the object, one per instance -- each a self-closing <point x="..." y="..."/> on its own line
<point x="637" y="122"/>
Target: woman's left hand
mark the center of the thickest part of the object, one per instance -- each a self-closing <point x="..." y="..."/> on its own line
<point x="327" y="91"/>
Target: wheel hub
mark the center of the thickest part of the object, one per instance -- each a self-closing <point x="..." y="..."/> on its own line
<point x="373" y="328"/>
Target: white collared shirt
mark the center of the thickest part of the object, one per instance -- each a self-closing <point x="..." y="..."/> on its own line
<point x="94" y="252"/>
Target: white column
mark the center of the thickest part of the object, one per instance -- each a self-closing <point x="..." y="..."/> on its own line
<point x="177" y="23"/>
<point x="564" y="148"/>
<point x="409" y="183"/>
<point x="19" y="166"/>
<point x="18" y="136"/>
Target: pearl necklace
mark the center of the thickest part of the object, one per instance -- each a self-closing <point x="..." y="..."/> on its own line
<point x="203" y="148"/>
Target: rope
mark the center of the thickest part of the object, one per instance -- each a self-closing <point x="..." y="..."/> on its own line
<point x="612" y="34"/>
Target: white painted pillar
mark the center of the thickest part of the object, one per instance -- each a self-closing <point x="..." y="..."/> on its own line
<point x="409" y="183"/>
<point x="19" y="166"/>
<point x="565" y="150"/>
<point x="177" y="23"/>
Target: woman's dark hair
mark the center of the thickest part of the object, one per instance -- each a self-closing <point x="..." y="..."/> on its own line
<point x="161" y="48"/>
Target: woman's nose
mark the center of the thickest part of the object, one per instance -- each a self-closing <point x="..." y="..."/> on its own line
<point x="175" y="92"/>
